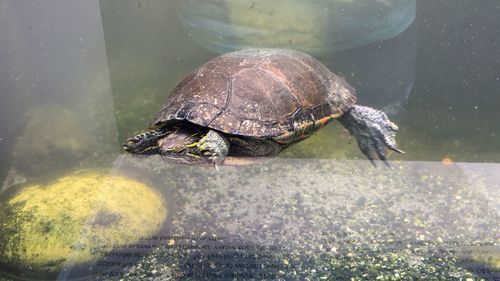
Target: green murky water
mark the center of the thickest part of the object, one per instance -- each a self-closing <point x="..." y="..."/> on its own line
<point x="439" y="77"/>
<point x="78" y="78"/>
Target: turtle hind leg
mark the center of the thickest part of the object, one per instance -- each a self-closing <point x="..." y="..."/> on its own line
<point x="372" y="129"/>
<point x="213" y="146"/>
<point x="146" y="142"/>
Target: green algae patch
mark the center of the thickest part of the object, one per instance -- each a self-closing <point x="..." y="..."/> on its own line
<point x="75" y="219"/>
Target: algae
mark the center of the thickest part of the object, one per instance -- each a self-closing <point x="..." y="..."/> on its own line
<point x="75" y="219"/>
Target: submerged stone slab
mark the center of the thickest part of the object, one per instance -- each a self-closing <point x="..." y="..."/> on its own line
<point x="322" y="219"/>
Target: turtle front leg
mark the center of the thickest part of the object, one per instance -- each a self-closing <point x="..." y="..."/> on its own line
<point x="372" y="129"/>
<point x="214" y="146"/>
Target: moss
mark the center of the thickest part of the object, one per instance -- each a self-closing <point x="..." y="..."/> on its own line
<point x="76" y="218"/>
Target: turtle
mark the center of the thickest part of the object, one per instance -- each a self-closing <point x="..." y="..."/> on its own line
<point x="255" y="103"/>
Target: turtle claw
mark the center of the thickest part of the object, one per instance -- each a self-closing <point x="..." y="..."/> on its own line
<point x="371" y="147"/>
<point x="373" y="131"/>
<point x="209" y="154"/>
<point x="367" y="150"/>
<point x="390" y="134"/>
<point x="381" y="154"/>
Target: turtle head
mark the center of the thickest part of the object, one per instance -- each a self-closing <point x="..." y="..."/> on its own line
<point x="172" y="142"/>
<point x="145" y="143"/>
<point x="183" y="144"/>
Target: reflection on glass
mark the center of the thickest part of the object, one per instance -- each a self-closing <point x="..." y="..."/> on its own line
<point x="55" y="88"/>
<point x="316" y="27"/>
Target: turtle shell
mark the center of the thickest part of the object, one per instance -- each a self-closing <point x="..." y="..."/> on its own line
<point x="261" y="93"/>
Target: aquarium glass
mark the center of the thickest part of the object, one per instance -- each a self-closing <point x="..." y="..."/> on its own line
<point x="78" y="78"/>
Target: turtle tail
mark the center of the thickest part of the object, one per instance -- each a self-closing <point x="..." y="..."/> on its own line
<point x="146" y="142"/>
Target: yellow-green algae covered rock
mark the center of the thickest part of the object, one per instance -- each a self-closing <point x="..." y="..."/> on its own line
<point x="75" y="219"/>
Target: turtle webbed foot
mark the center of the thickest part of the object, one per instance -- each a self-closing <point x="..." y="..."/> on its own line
<point x="213" y="146"/>
<point x="373" y="131"/>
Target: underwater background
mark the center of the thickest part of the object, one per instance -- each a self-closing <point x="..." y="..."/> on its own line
<point x="77" y="78"/>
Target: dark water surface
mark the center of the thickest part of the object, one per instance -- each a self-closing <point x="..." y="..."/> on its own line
<point x="79" y="77"/>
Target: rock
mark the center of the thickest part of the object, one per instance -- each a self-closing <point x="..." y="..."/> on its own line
<point x="314" y="220"/>
<point x="72" y="221"/>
